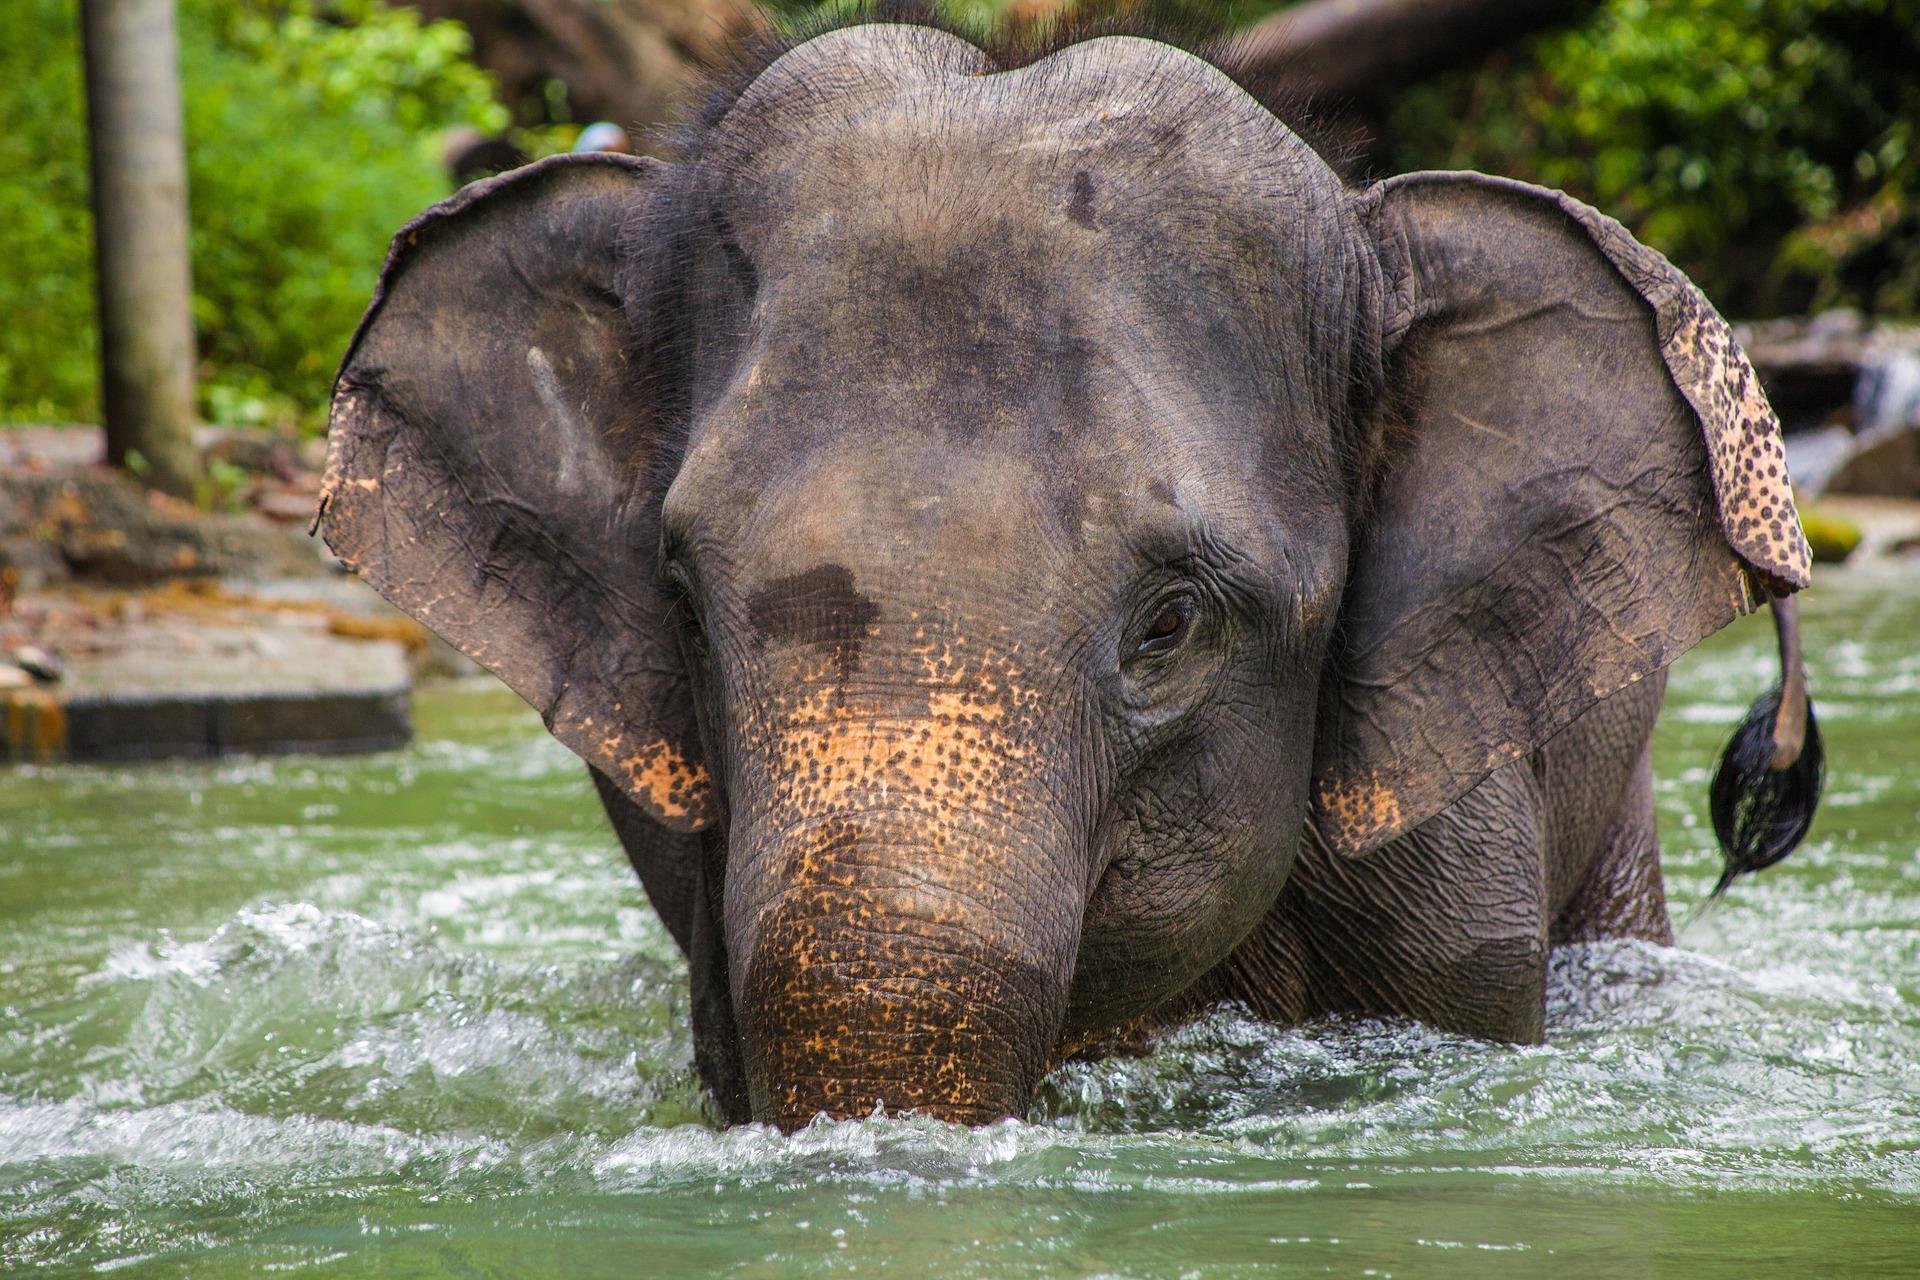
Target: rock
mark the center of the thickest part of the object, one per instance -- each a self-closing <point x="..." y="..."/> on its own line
<point x="39" y="664"/>
<point x="1835" y="369"/>
<point x="32" y="561"/>
<point x="1832" y="338"/>
<point x="1884" y="523"/>
<point x="210" y="689"/>
<point x="99" y="525"/>
<point x="1848" y="394"/>
<point x="1884" y="463"/>
<point x="290" y="507"/>
<point x="350" y="608"/>
<point x="254" y="449"/>
<point x="1807" y="365"/>
<point x="52" y="448"/>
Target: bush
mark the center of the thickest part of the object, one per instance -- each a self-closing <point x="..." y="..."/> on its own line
<point x="1769" y="147"/>
<point x="47" y="345"/>
<point x="311" y="136"/>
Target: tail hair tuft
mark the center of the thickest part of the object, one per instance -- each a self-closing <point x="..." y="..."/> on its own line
<point x="1760" y="813"/>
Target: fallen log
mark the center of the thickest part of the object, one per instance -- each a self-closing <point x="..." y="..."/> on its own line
<point x="1365" y="52"/>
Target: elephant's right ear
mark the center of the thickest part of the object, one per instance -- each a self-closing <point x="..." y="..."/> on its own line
<point x="494" y="467"/>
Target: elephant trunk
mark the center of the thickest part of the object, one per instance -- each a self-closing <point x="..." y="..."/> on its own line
<point x="898" y="989"/>
<point x="904" y="894"/>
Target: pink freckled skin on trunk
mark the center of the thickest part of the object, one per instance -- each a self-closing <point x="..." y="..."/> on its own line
<point x="888" y="863"/>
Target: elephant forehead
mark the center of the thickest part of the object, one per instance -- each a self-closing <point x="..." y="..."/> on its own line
<point x="920" y="83"/>
<point x="1113" y="244"/>
<point x="862" y="126"/>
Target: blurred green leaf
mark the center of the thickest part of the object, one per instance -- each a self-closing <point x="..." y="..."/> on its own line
<point x="1763" y="145"/>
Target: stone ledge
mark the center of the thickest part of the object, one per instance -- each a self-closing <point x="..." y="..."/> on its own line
<point x="195" y="675"/>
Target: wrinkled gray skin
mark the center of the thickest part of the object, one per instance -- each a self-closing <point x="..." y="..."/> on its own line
<point x="974" y="524"/>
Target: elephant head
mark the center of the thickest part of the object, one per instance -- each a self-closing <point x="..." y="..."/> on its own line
<point x="982" y="518"/>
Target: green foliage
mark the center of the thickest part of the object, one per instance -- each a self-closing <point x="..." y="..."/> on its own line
<point x="47" y="357"/>
<point x="1768" y="146"/>
<point x="310" y="142"/>
<point x="311" y="135"/>
<point x="1832" y="537"/>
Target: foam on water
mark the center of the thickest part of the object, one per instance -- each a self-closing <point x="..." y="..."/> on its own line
<point x="296" y="1035"/>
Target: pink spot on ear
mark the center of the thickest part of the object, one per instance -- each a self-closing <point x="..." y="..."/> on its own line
<point x="672" y="788"/>
<point x="1360" y="812"/>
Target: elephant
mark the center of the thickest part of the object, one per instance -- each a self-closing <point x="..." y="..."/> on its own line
<point x="1026" y="551"/>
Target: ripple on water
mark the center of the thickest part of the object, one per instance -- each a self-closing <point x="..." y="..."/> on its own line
<point x="346" y="1018"/>
<point x="296" y="1038"/>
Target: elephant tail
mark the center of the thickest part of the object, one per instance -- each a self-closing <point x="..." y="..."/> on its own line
<point x="1768" y="784"/>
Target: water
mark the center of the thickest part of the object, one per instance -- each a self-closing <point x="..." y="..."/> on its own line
<point x="409" y="1016"/>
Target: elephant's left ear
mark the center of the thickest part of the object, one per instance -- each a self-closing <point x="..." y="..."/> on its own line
<point x="1581" y="481"/>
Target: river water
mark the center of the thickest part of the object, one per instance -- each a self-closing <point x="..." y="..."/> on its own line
<point x="409" y="1016"/>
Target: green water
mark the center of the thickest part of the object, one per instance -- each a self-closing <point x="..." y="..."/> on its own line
<point x="409" y="1016"/>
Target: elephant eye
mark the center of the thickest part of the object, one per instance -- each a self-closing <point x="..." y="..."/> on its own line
<point x="1168" y="628"/>
<point x="693" y="632"/>
<point x="684" y="613"/>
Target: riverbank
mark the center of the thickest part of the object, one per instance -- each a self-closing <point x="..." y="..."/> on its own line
<point x="137" y="626"/>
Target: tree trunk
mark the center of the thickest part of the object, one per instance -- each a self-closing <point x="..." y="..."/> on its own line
<point x="140" y="238"/>
<point x="1367" y="51"/>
